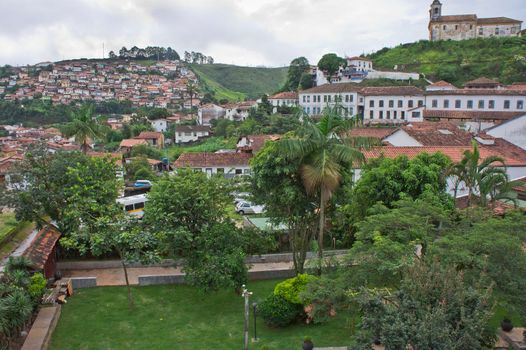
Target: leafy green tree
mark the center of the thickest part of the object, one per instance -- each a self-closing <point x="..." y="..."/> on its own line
<point x="297" y="68"/>
<point x="387" y="180"/>
<point x="55" y="185"/>
<point x="325" y="154"/>
<point x="276" y="184"/>
<point x="331" y="63"/>
<point x="389" y="240"/>
<point x="139" y="169"/>
<point x="492" y="248"/>
<point x="433" y="309"/>
<point x="191" y="210"/>
<point x="306" y="81"/>
<point x="84" y="127"/>
<point x="146" y="151"/>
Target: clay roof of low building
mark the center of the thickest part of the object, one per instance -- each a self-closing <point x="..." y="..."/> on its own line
<point x="149" y="135"/>
<point x="471" y="115"/>
<point x="205" y="159"/>
<point x="190" y="128"/>
<point x="132" y="142"/>
<point x="42" y="246"/>
<point x="438" y="134"/>
<point x="258" y="141"/>
<point x="497" y="20"/>
<point x="442" y="83"/>
<point x="358" y="58"/>
<point x="372" y="132"/>
<point x="287" y="95"/>
<point x="478" y="92"/>
<point x="482" y="81"/>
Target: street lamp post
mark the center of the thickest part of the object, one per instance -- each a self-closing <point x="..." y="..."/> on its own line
<point x="254" y="311"/>
<point x="246" y="294"/>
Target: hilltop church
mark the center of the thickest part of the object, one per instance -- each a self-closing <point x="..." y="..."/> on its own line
<point x="460" y="27"/>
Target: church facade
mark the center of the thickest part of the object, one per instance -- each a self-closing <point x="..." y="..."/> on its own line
<point x="460" y="27"/>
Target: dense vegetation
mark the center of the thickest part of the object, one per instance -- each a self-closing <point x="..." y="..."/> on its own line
<point x="251" y="81"/>
<point x="459" y="61"/>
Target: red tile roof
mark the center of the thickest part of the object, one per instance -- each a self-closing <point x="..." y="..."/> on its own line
<point x="438" y="134"/>
<point x="478" y="92"/>
<point x="456" y="18"/>
<point x="288" y="95"/>
<point x="258" y="141"/>
<point x="333" y="88"/>
<point x="149" y="135"/>
<point x="132" y="142"/>
<point x="42" y="246"/>
<point x="373" y="132"/>
<point x="471" y="115"/>
<point x="512" y="155"/>
<point x="497" y="20"/>
<point x="391" y="91"/>
<point x="442" y="83"/>
<point x="358" y="58"/>
<point x="203" y="160"/>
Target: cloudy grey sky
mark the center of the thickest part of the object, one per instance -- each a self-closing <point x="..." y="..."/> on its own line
<point x="244" y="32"/>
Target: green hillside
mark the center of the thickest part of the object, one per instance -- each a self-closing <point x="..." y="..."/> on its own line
<point x="227" y="81"/>
<point x="459" y="61"/>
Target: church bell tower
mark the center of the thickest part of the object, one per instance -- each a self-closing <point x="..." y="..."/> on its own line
<point x="436" y="10"/>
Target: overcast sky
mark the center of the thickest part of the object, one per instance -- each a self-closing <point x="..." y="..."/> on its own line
<point x="243" y="32"/>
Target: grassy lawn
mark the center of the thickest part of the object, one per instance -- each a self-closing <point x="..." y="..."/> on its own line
<point x="178" y="317"/>
<point x="22" y="234"/>
<point x="7" y="223"/>
<point x="211" y="144"/>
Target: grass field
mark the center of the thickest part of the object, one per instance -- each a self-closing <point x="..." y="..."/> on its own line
<point x="178" y="317"/>
<point x="211" y="144"/>
<point x="252" y="82"/>
<point x="7" y="223"/>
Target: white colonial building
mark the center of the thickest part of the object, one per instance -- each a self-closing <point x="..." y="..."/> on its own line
<point x="159" y="125"/>
<point x="191" y="133"/>
<point x="314" y="101"/>
<point x="287" y="99"/>
<point x="392" y="104"/>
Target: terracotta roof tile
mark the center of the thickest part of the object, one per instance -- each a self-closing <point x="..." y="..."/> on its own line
<point x="442" y="83"/>
<point x="359" y="58"/>
<point x="391" y="91"/>
<point x="42" y="246"/>
<point x="438" y="134"/>
<point x="471" y="115"/>
<point x="287" y="95"/>
<point x="132" y="142"/>
<point x="456" y="18"/>
<point x="149" y="135"/>
<point x="202" y="160"/>
<point x="497" y="20"/>
<point x="372" y="132"/>
<point x="258" y="141"/>
<point x="333" y="88"/>
<point x="478" y="92"/>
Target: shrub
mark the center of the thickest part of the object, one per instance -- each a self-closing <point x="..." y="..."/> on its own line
<point x="37" y="286"/>
<point x="278" y="312"/>
<point x="290" y="289"/>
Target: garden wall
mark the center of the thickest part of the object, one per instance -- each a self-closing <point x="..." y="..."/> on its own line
<point x="40" y="334"/>
<point x="116" y="264"/>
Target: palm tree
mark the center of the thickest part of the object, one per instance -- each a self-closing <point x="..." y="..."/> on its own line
<point x="83" y="127"/>
<point x="326" y="153"/>
<point x="483" y="177"/>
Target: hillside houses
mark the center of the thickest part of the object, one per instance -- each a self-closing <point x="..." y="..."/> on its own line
<point x="160" y="85"/>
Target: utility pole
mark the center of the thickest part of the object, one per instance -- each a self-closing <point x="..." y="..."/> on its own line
<point x="246" y="294"/>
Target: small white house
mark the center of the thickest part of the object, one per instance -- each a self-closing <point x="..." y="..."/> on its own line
<point x="513" y="131"/>
<point x="228" y="165"/>
<point x="191" y="133"/>
<point x="159" y="125"/>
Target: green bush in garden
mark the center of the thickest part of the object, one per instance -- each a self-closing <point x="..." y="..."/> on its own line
<point x="290" y="289"/>
<point x="278" y="312"/>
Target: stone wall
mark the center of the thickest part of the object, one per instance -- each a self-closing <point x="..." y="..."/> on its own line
<point x="40" y="334"/>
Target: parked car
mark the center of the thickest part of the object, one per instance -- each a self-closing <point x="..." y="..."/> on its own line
<point x="240" y="197"/>
<point x="142" y="183"/>
<point x="249" y="208"/>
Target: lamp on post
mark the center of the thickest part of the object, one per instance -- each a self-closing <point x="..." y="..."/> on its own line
<point x="246" y="294"/>
<point x="254" y="311"/>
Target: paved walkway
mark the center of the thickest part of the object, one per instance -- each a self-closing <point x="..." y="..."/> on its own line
<point x="115" y="277"/>
<point x="20" y="249"/>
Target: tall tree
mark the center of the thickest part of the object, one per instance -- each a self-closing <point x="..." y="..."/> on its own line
<point x="191" y="90"/>
<point x="331" y="63"/>
<point x="326" y="154"/>
<point x="297" y="68"/>
<point x="84" y="127"/>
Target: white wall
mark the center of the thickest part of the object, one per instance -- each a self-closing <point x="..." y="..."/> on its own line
<point x="397" y="113"/>
<point x="160" y="125"/>
<point x="189" y="136"/>
<point x="227" y="171"/>
<point x="513" y="131"/>
<point x="375" y="74"/>
<point x="498" y="100"/>
<point x="402" y="139"/>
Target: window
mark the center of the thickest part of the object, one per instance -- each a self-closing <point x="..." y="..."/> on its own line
<point x="491" y="104"/>
<point x="391" y="103"/>
<point x="352" y="98"/>
<point x="381" y="104"/>
<point x="456" y="26"/>
<point x="444" y="27"/>
<point x="481" y="104"/>
<point x="458" y="104"/>
<point x="497" y="31"/>
<point x="308" y="99"/>
<point x="128" y="207"/>
<point x="346" y="98"/>
<point x="352" y="111"/>
<point x="420" y="103"/>
<point x="446" y="103"/>
<point x="371" y="114"/>
<point x="434" y="103"/>
<point x="329" y="98"/>
<point x="400" y="103"/>
<point x="388" y="114"/>
<point x="220" y="170"/>
<point x="520" y="104"/>
<point x="507" y="104"/>
<point x="471" y="26"/>
<point x="416" y="115"/>
<point x="470" y="104"/>
<point x="381" y="114"/>
<point x="308" y="110"/>
<point x="139" y="205"/>
<point x="481" y="31"/>
<point x="395" y="114"/>
<point x="324" y="98"/>
<point x="410" y="104"/>
<point x="371" y="103"/>
<point x="239" y="171"/>
<point x="403" y="115"/>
